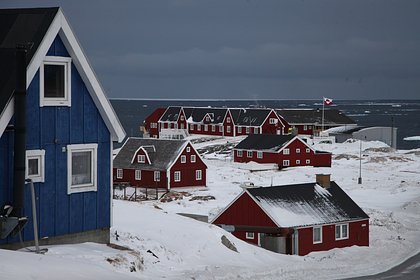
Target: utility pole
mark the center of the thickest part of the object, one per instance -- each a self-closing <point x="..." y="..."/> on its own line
<point x="360" y="163"/>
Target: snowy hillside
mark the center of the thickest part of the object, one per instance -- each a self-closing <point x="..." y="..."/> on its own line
<point x="154" y="242"/>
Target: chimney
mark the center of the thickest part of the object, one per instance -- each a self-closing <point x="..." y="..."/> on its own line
<point x="324" y="180"/>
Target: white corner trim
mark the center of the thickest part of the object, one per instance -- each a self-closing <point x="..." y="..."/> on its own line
<point x="6" y="115"/>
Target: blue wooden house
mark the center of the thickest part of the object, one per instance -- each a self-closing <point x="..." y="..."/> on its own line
<point x="70" y="128"/>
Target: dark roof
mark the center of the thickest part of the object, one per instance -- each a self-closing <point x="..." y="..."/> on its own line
<point x="19" y="26"/>
<point x="264" y="142"/>
<point x="307" y="204"/>
<point x="164" y="153"/>
<point x="217" y="115"/>
<point x="312" y="116"/>
<point x="171" y="114"/>
<point x="250" y="117"/>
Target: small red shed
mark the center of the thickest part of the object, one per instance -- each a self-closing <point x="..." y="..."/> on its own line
<point x="284" y="150"/>
<point x="159" y="163"/>
<point x="297" y="219"/>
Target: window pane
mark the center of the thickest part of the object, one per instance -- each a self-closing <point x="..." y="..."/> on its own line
<point x="337" y="232"/>
<point x="81" y="168"/>
<point x="317" y="234"/>
<point x="54" y="81"/>
<point x="33" y="166"/>
<point x="344" y="231"/>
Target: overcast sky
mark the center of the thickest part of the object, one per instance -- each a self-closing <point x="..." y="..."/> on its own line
<point x="251" y="49"/>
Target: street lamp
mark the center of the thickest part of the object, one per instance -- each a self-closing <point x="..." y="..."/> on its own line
<point x="360" y="163"/>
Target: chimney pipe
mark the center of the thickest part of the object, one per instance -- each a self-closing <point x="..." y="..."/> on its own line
<point x="20" y="130"/>
<point x="324" y="180"/>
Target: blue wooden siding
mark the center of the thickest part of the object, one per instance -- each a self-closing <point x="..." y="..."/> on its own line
<point x="52" y="128"/>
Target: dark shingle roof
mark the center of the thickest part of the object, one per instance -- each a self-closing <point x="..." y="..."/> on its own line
<point x="217" y="115"/>
<point x="171" y="114"/>
<point x="307" y="204"/>
<point x="311" y="116"/>
<point x="19" y="26"/>
<point x="264" y="142"/>
<point x="250" y="117"/>
<point x="164" y="153"/>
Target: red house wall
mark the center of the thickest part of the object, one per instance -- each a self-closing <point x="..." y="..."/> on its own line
<point x="227" y="124"/>
<point x="358" y="235"/>
<point x="322" y="159"/>
<point x="182" y="121"/>
<point x="267" y="157"/>
<point x="194" y="130"/>
<point x="301" y="129"/>
<point x="188" y="169"/>
<point x="293" y="156"/>
<point x="147" y="178"/>
<point x="268" y="128"/>
<point x="245" y="212"/>
<point x="154" y="118"/>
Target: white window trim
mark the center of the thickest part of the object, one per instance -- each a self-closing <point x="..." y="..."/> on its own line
<point x="308" y="150"/>
<point x="120" y="173"/>
<point x="177" y="176"/>
<point x="220" y="128"/>
<point x="297" y="150"/>
<point x="137" y="174"/>
<point x="320" y="235"/>
<point x="249" y="154"/>
<point x="93" y="186"/>
<point x="198" y="175"/>
<point x="286" y="162"/>
<point x="40" y="155"/>
<point x="156" y="176"/>
<point x="141" y="158"/>
<point x="183" y="159"/>
<point x="256" y="130"/>
<point x="239" y="129"/>
<point x="286" y="151"/>
<point x="213" y="128"/>
<point x="341" y="232"/>
<point x="298" y="161"/>
<point x="188" y="149"/>
<point x="228" y="129"/>
<point x="193" y="158"/>
<point x="249" y="235"/>
<point x="308" y="161"/>
<point x="56" y="60"/>
<point x="206" y="127"/>
<point x="259" y="154"/>
<point x="239" y="153"/>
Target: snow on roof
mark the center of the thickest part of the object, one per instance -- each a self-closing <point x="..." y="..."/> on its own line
<point x="307" y="204"/>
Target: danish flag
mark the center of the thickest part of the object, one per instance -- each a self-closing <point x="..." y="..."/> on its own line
<point x="327" y="101"/>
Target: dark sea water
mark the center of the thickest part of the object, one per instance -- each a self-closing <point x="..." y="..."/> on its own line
<point x="403" y="114"/>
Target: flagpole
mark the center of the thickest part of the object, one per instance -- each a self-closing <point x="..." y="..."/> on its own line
<point x="323" y="108"/>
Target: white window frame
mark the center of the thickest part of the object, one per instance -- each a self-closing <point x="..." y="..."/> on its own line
<point x="298" y="162"/>
<point x="273" y="121"/>
<point x="320" y="235"/>
<point x="183" y="159"/>
<point x="141" y="158"/>
<point x="286" y="162"/>
<point x="247" y="130"/>
<point x="228" y="129"/>
<point x="156" y="176"/>
<point x="305" y="127"/>
<point x="63" y="101"/>
<point x="177" y="176"/>
<point x="188" y="149"/>
<point x="249" y="154"/>
<point x="286" y="151"/>
<point x="340" y="227"/>
<point x="198" y="175"/>
<point x="308" y="161"/>
<point x="40" y="156"/>
<point x="228" y="119"/>
<point x="308" y="150"/>
<point x="206" y="127"/>
<point x="198" y="127"/>
<point x="297" y="151"/>
<point x="213" y="128"/>
<point x="259" y="154"/>
<point x="91" y="186"/>
<point x="220" y="128"/>
<point x="193" y="158"/>
<point x="120" y="173"/>
<point x="239" y="129"/>
<point x="181" y="118"/>
<point x="137" y="174"/>
<point x="256" y="130"/>
<point x="249" y="235"/>
<point x="239" y="153"/>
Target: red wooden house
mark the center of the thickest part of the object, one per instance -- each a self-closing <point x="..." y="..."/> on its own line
<point x="258" y="121"/>
<point x="159" y="163"/>
<point x="309" y="121"/>
<point x="151" y="123"/>
<point x="297" y="219"/>
<point x="173" y="123"/>
<point x="284" y="150"/>
<point x="208" y="121"/>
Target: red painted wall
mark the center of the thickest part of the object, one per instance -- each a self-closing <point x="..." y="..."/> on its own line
<point x="154" y="118"/>
<point x="245" y="212"/>
<point x="147" y="178"/>
<point x="267" y="157"/>
<point x="194" y="130"/>
<point x="187" y="169"/>
<point x="268" y="128"/>
<point x="227" y="124"/>
<point x="322" y="159"/>
<point x="358" y="235"/>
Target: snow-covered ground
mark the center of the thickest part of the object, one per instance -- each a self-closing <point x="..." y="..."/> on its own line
<point x="162" y="244"/>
